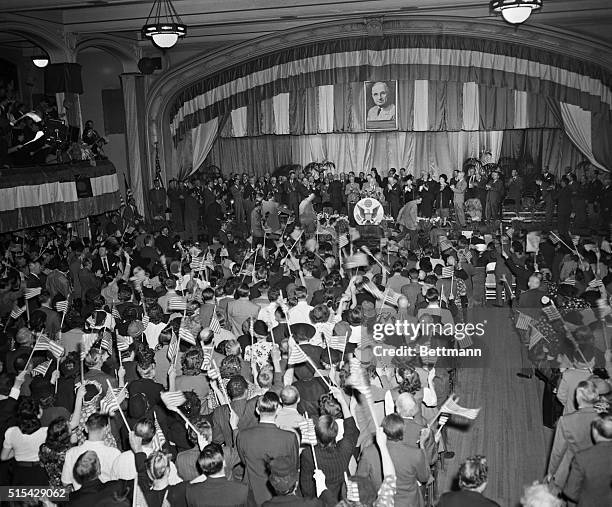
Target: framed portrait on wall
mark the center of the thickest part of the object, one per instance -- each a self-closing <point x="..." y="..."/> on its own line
<point x="380" y="105"/>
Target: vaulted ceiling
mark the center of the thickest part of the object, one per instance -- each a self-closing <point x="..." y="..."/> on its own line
<point x="219" y="23"/>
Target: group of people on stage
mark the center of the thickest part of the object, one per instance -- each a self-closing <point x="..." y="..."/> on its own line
<point x="161" y="365"/>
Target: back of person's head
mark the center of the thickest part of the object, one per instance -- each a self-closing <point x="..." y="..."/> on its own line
<point x="28" y="410"/>
<point x="326" y="429"/>
<point x="406" y="406"/>
<point x="96" y="422"/>
<point x="236" y="387"/>
<point x="301" y="292"/>
<point x="393" y="426"/>
<point x="265" y="378"/>
<point x="158" y="465"/>
<point x="192" y="405"/>
<point x="602" y="427"/>
<point x="232" y="348"/>
<point x="586" y="393"/>
<point x="283" y="475"/>
<point x="273" y="294"/>
<point x="145" y="428"/>
<point x="192" y="362"/>
<point x="208" y="294"/>
<point x="328" y="405"/>
<point x="86" y="468"/>
<point x="210" y="461"/>
<point x="540" y="495"/>
<point x="6" y="384"/>
<point x="230" y="366"/>
<point x="473" y="472"/>
<point x="243" y="291"/>
<point x="289" y="395"/>
<point x="58" y="434"/>
<point x="268" y="404"/>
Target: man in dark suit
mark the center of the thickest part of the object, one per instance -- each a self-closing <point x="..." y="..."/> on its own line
<point x="284" y="480"/>
<point x="590" y="477"/>
<point x="392" y="195"/>
<point x="564" y="207"/>
<point x="473" y="476"/>
<point x="87" y="474"/>
<point x="259" y="445"/>
<point x="105" y="262"/>
<point x="212" y="488"/>
<point x="52" y="317"/>
<point x="243" y="410"/>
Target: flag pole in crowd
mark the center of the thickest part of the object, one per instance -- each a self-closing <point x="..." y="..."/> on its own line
<point x="118" y="406"/>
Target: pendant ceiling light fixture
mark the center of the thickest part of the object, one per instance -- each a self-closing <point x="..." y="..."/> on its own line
<point x="515" y="12"/>
<point x="40" y="60"/>
<point x="164" y="26"/>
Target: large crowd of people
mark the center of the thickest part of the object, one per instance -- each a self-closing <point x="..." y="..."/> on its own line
<point x="224" y="352"/>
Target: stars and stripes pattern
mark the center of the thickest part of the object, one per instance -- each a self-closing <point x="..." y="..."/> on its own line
<point x="523" y="321"/>
<point x="106" y="342"/>
<point x="595" y="283"/>
<point x="159" y="440"/>
<point x="17" y="312"/>
<point x="358" y="260"/>
<point x="186" y="335"/>
<point x="207" y="353"/>
<point x="337" y="342"/>
<point x="173" y="399"/>
<point x="215" y="325"/>
<point x="177" y="303"/>
<point x="447" y="271"/>
<point x="115" y="313"/>
<point x="296" y="354"/>
<point x="465" y="342"/>
<point x="451" y="406"/>
<point x="551" y="313"/>
<point x="108" y="404"/>
<point x="31" y="292"/>
<point x="343" y="241"/>
<point x="87" y="341"/>
<point x="575" y="240"/>
<point x="44" y="343"/>
<point x="62" y="306"/>
<point x="173" y="348"/>
<point x="535" y="337"/>
<point x="145" y="321"/>
<point x="42" y="368"/>
<point x="197" y="264"/>
<point x="307" y="430"/>
<point x="554" y="239"/>
<point x="123" y="342"/>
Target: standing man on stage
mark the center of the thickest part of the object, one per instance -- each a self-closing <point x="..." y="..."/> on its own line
<point x="495" y="193"/>
<point x="157" y="199"/>
<point x="459" y="197"/>
<point x="392" y="196"/>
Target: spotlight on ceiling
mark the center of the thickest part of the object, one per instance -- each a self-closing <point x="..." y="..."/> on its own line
<point x="164" y="26"/>
<point x="40" y="60"/>
<point x="515" y="12"/>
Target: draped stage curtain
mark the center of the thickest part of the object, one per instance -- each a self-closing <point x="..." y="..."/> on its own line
<point x="435" y="152"/>
<point x="203" y="138"/>
<point x="543" y="147"/>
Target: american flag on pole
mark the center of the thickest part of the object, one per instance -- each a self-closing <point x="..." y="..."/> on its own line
<point x="159" y="440"/>
<point x="186" y="335"/>
<point x="523" y="321"/>
<point x="595" y="283"/>
<point x="108" y="404"/>
<point x="177" y="303"/>
<point x="337" y="343"/>
<point x="173" y="399"/>
<point x="451" y="406"/>
<point x="31" y="292"/>
<point x="62" y="306"/>
<point x="87" y="341"/>
<point x="215" y="325"/>
<point x="173" y="348"/>
<point x="145" y="321"/>
<point x="554" y="239"/>
<point x="106" y="342"/>
<point x="465" y="342"/>
<point x="296" y="354"/>
<point x="343" y="241"/>
<point x="17" y="312"/>
<point x="569" y="281"/>
<point x="124" y="342"/>
<point x="44" y="343"/>
<point x="447" y="271"/>
<point x="551" y="313"/>
<point x="358" y="260"/>
<point x="115" y="313"/>
<point x="42" y="368"/>
<point x="307" y="430"/>
<point x="535" y="337"/>
<point x="352" y="490"/>
<point x="197" y="264"/>
<point x="575" y="240"/>
<point x="207" y="352"/>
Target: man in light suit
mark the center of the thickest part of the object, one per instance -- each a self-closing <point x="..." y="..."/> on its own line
<point x="459" y="197"/>
<point x="259" y="445"/>
<point x="590" y="477"/>
<point x="573" y="433"/>
<point x="241" y="309"/>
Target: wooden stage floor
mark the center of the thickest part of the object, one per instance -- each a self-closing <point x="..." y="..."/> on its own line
<point x="508" y="430"/>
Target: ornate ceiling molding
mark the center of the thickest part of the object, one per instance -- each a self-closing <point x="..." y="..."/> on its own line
<point x="127" y="54"/>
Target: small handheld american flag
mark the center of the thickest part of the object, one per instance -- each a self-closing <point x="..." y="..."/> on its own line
<point x="307" y="429"/>
<point x="451" y="406"/>
<point x="337" y="343"/>
<point x="173" y="399"/>
<point x="523" y="321"/>
<point x="551" y="313"/>
<point x="358" y="260"/>
<point x="186" y="335"/>
<point x="42" y="368"/>
<point x="173" y="348"/>
<point x="108" y="404"/>
<point x="62" y="306"/>
<point x="123" y="342"/>
<point x="343" y="241"/>
<point x="87" y="341"/>
<point x="352" y="490"/>
<point x="177" y="303"/>
<point x="215" y="325"/>
<point x="535" y="337"/>
<point x="145" y="321"/>
<point x="31" y="292"/>
<point x="296" y="354"/>
<point x="159" y="440"/>
<point x="447" y="271"/>
<point x="197" y="264"/>
<point x="44" y="343"/>
<point x="106" y="342"/>
<point x="207" y="352"/>
<point x="17" y="312"/>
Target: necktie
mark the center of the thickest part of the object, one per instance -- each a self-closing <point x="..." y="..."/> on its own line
<point x="379" y="111"/>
